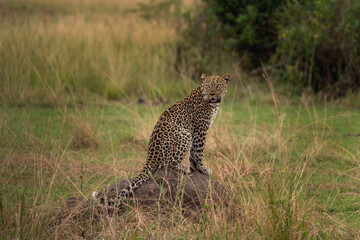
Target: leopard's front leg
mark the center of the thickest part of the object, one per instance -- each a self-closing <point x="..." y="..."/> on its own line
<point x="197" y="154"/>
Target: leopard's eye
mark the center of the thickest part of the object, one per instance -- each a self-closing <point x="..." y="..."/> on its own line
<point x="218" y="86"/>
<point x="206" y="86"/>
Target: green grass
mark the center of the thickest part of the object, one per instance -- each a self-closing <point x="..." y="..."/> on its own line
<point x="299" y="152"/>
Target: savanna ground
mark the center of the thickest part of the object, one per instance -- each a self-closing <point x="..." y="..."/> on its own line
<point x="72" y="73"/>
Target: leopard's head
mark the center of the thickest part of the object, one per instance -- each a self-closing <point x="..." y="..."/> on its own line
<point x="214" y="88"/>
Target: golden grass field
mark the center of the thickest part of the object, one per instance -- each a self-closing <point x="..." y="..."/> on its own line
<point x="56" y="50"/>
<point x="71" y="74"/>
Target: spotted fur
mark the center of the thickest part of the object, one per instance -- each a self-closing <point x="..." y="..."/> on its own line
<point x="180" y="130"/>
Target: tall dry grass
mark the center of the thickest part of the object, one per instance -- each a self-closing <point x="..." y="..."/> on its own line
<point x="55" y="56"/>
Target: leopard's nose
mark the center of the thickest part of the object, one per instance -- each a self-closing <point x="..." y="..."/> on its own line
<point x="212" y="94"/>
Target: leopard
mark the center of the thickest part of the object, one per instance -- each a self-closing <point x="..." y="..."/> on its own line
<point x="180" y="131"/>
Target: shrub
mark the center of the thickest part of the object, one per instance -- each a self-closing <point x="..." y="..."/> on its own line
<point x="243" y="29"/>
<point x="249" y="26"/>
<point x="318" y="46"/>
<point x="310" y="45"/>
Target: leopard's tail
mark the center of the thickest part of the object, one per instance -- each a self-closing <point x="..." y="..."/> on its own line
<point x="134" y="184"/>
<point x="125" y="193"/>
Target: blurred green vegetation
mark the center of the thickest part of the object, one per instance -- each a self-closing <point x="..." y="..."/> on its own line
<point x="307" y="45"/>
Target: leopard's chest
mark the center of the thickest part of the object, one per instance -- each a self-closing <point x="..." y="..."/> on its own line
<point x="213" y="115"/>
<point x="202" y="118"/>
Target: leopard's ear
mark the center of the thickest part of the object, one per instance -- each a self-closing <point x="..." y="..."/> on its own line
<point x="203" y="76"/>
<point x="227" y="77"/>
